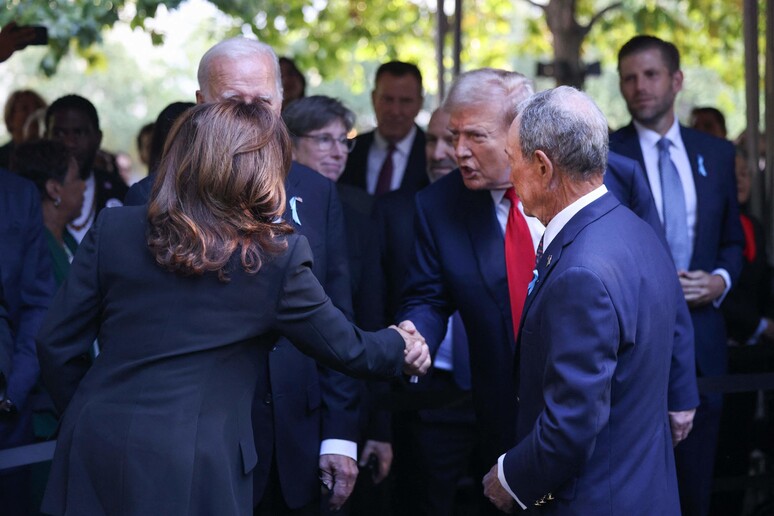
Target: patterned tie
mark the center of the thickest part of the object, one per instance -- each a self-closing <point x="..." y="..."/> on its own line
<point x="675" y="217"/>
<point x="384" y="183"/>
<point x="539" y="251"/>
<point x="519" y="258"/>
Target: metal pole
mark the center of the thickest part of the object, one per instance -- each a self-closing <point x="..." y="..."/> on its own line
<point x="440" y="45"/>
<point x="752" y="93"/>
<point x="767" y="182"/>
<point x="457" y="36"/>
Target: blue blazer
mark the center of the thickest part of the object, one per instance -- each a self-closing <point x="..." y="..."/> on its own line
<point x="28" y="285"/>
<point x="719" y="239"/>
<point x="593" y="429"/>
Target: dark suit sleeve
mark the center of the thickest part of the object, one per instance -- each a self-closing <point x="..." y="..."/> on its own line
<point x="341" y="395"/>
<point x="37" y="287"/>
<point x="307" y="317"/>
<point x="6" y="345"/>
<point x="72" y="323"/>
<point x="683" y="393"/>
<point x="425" y="300"/>
<point x="732" y="236"/>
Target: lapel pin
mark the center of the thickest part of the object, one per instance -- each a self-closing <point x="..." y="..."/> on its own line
<point x="548" y="261"/>
<point x="294" y="210"/>
<point x="700" y="164"/>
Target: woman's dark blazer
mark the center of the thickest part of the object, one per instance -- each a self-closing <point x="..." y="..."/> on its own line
<point x="161" y="423"/>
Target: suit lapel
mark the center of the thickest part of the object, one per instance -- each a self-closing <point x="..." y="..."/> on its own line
<point x="628" y="144"/>
<point x="700" y="182"/>
<point x="553" y="253"/>
<point x="488" y="244"/>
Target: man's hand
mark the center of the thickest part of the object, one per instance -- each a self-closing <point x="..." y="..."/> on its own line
<point x="338" y="473"/>
<point x="416" y="360"/>
<point x="383" y="452"/>
<point x="13" y="38"/>
<point x="701" y="288"/>
<point x="681" y="423"/>
<point x="496" y="493"/>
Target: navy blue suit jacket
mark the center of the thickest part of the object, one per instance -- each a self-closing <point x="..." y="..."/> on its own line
<point x="28" y="284"/>
<point x="719" y="238"/>
<point x="593" y="428"/>
<point x="414" y="178"/>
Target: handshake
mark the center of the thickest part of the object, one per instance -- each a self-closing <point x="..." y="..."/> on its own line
<point x="416" y="359"/>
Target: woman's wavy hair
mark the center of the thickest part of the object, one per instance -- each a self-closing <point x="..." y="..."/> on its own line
<point x="220" y="188"/>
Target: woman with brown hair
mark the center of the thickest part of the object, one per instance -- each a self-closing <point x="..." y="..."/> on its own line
<point x="187" y="299"/>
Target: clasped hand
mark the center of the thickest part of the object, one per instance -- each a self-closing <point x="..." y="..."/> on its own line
<point x="416" y="359"/>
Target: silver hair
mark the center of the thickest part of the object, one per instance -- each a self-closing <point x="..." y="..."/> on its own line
<point x="490" y="85"/>
<point x="236" y="48"/>
<point x="569" y="128"/>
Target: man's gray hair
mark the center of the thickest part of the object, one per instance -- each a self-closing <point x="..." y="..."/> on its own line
<point x="490" y="85"/>
<point x="235" y="49"/>
<point x="569" y="128"/>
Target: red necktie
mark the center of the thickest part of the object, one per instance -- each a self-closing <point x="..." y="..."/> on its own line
<point x="519" y="258"/>
<point x="384" y="182"/>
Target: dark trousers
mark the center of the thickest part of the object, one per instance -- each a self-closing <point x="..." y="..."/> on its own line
<point x="695" y="457"/>
<point x="273" y="503"/>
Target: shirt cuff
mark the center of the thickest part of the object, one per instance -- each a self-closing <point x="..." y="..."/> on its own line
<point x="723" y="273"/>
<point x="501" y="477"/>
<point x="762" y="325"/>
<point x="339" y="447"/>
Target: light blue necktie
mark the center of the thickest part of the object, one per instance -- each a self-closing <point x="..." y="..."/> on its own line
<point x="675" y="216"/>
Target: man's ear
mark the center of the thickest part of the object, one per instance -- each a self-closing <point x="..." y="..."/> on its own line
<point x="199" y="97"/>
<point x="53" y="189"/>
<point x="545" y="167"/>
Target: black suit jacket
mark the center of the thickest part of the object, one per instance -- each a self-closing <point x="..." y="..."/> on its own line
<point x="414" y="178"/>
<point x="110" y="189"/>
<point x="160" y="423"/>
<point x="307" y="403"/>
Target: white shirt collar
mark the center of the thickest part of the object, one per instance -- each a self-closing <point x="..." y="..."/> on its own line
<point x="403" y="146"/>
<point x="649" y="138"/>
<point x="563" y="217"/>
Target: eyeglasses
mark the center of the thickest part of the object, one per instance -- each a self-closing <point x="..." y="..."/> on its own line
<point x="326" y="141"/>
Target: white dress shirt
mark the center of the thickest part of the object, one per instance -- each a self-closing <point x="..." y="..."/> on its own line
<point x="648" y="144"/>
<point x="377" y="154"/>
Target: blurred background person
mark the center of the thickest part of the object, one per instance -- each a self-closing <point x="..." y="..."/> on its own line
<point x="709" y="120"/>
<point x="73" y="120"/>
<point x="392" y="156"/>
<point x="54" y="171"/>
<point x="748" y="314"/>
<point x="20" y="105"/>
<point x="293" y="81"/>
<point x="144" y="138"/>
<point x="35" y="126"/>
<point x="139" y="193"/>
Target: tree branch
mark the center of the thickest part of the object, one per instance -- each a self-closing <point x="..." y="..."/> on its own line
<point x="598" y="15"/>
<point x="542" y="6"/>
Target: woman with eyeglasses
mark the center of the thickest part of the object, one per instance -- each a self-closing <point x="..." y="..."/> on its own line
<point x="318" y="127"/>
